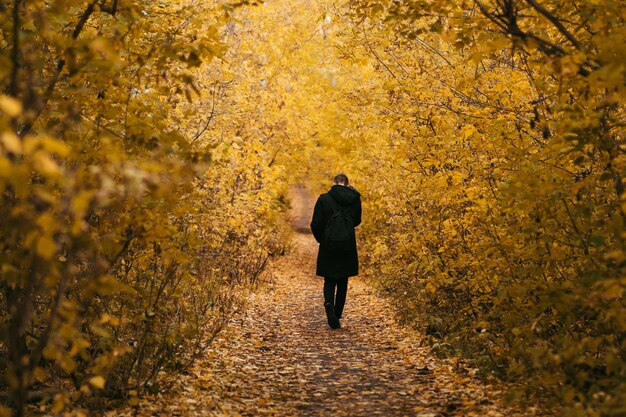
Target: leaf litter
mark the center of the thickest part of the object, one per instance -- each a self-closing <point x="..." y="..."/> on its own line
<point x="278" y="357"/>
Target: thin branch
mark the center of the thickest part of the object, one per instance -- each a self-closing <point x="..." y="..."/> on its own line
<point x="273" y="159"/>
<point x="100" y="126"/>
<point x="216" y="91"/>
<point x="509" y="26"/>
<point x="83" y="19"/>
<point x="45" y="336"/>
<point x="111" y="10"/>
<point x="15" y="53"/>
<point x="556" y="22"/>
<point x="498" y="22"/>
<point x="59" y="68"/>
<point x="122" y="251"/>
<point x="581" y="236"/>
<point x="375" y="54"/>
<point x="433" y="49"/>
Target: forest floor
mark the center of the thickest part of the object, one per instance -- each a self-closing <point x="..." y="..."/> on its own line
<point x="278" y="357"/>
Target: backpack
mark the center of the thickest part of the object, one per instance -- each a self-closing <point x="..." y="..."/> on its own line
<point x="339" y="231"/>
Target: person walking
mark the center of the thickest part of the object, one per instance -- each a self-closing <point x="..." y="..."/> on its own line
<point x="335" y="216"/>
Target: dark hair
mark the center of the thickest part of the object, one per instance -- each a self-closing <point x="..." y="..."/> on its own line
<point x="341" y="179"/>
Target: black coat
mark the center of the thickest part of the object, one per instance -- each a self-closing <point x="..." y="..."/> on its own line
<point x="329" y="263"/>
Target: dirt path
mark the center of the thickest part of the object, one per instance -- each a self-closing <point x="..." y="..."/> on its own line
<point x="280" y="358"/>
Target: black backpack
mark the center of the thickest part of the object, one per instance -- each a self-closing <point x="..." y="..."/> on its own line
<point x="339" y="231"/>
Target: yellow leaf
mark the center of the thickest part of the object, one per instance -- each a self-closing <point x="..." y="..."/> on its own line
<point x="468" y="131"/>
<point x="59" y="403"/>
<point x="11" y="142"/>
<point x="47" y="222"/>
<point x="50" y="352"/>
<point x="46" y="247"/>
<point x="97" y="382"/>
<point x="46" y="165"/>
<point x="39" y="374"/>
<point x="54" y="146"/>
<point x="81" y="202"/>
<point x="5" y="167"/>
<point x="10" y="106"/>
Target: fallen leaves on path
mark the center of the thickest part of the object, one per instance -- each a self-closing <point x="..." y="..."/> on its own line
<point x="280" y="358"/>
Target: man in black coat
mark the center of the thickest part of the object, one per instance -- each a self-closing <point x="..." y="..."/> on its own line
<point x="336" y="266"/>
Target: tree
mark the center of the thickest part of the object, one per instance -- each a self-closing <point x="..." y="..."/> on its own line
<point x="115" y="252"/>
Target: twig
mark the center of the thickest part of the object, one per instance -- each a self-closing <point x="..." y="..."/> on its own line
<point x="556" y="22"/>
<point x="59" y="68"/>
<point x="216" y="91"/>
<point x="375" y="54"/>
<point x="15" y="53"/>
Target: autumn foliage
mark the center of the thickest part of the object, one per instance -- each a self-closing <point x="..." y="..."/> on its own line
<point x="146" y="146"/>
<point x="126" y="223"/>
<point x="496" y="211"/>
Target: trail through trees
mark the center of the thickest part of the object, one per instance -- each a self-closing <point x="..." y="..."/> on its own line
<point x="147" y="150"/>
<point x="279" y="357"/>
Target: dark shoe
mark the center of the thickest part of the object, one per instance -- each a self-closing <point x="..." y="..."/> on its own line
<point x="333" y="322"/>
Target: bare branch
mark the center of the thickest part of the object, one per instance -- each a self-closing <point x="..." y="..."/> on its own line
<point x="508" y="24"/>
<point x="556" y="22"/>
<point x="216" y="93"/>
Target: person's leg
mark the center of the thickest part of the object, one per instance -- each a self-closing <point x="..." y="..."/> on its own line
<point x="329" y="297"/>
<point x="329" y="290"/>
<point x="340" y="301"/>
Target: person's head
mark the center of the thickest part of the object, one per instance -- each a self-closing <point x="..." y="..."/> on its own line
<point x="340" y="179"/>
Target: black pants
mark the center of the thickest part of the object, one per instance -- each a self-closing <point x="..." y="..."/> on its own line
<point x="329" y="293"/>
